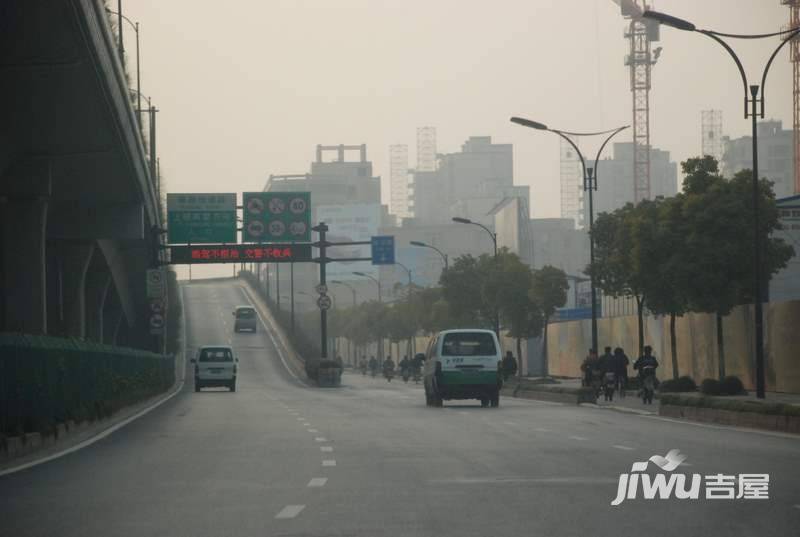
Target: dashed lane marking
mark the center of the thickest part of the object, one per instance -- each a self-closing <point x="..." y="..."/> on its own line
<point x="624" y="448"/>
<point x="313" y="431"/>
<point x="318" y="482"/>
<point x="290" y="511"/>
<point x="541" y="430"/>
<point x="329" y="462"/>
<point x="306" y="424"/>
<point x="326" y="449"/>
<point x="579" y="438"/>
<point x="511" y="423"/>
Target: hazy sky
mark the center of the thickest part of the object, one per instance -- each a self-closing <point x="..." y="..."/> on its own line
<point x="247" y="87"/>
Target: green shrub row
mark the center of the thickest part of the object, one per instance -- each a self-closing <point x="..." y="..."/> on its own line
<point x="734" y="405"/>
<point x="730" y="385"/>
<point x="682" y="384"/>
<point x="47" y="380"/>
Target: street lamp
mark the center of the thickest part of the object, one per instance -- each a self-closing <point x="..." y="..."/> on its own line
<point x="408" y="272"/>
<point x="424" y="245"/>
<point x="152" y="111"/>
<point x="589" y="184"/>
<point x="753" y="108"/>
<point x="493" y="236"/>
<point x="377" y="282"/>
<point x="135" y="26"/>
<point x="352" y="289"/>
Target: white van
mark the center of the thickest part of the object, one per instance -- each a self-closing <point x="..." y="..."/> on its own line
<point x="215" y="365"/>
<point x="463" y="364"/>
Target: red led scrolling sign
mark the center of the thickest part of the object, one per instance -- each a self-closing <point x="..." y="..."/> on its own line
<point x="251" y="253"/>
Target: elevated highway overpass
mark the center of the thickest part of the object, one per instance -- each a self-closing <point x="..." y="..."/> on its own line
<point x="79" y="215"/>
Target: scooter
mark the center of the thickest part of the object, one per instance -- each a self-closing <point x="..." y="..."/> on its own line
<point x="388" y="372"/>
<point x="648" y="384"/>
<point x="406" y="374"/>
<point x="609" y="384"/>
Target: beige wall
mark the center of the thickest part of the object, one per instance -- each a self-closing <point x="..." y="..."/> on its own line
<point x="696" y="344"/>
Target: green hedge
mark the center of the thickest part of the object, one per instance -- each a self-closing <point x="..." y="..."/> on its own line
<point x="735" y="405"/>
<point x="47" y="380"/>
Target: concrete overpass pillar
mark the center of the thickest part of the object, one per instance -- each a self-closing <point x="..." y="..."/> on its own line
<point x="24" y="195"/>
<point x="97" y="284"/>
<point x="74" y="258"/>
<point x="112" y="316"/>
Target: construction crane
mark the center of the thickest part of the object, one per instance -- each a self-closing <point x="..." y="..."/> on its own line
<point x="794" y="57"/>
<point x="640" y="33"/>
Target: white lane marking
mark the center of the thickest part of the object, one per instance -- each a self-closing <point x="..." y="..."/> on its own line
<point x="318" y="482"/>
<point x="123" y="423"/>
<point x="776" y="434"/>
<point x="541" y="430"/>
<point x="301" y="419"/>
<point x="511" y="423"/>
<point x="290" y="511"/>
<point x="326" y="449"/>
<point x="463" y="413"/>
<point x="579" y="438"/>
<point x="313" y="431"/>
<point x="306" y="424"/>
<point x="329" y="462"/>
<point x="796" y="506"/>
<point x="624" y="448"/>
<point x="320" y="439"/>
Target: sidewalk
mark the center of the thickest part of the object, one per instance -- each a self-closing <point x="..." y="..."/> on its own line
<point x="632" y="403"/>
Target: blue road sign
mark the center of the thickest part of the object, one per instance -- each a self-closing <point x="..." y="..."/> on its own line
<point x="382" y="249"/>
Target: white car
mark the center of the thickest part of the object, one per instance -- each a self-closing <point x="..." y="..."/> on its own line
<point x="215" y="365"/>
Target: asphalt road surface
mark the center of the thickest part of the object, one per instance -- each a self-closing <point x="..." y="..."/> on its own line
<point x="277" y="458"/>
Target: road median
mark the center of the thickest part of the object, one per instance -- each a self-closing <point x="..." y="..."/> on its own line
<point x="537" y="389"/>
<point x="736" y="412"/>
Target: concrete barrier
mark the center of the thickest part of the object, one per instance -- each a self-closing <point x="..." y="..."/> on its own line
<point x="525" y="389"/>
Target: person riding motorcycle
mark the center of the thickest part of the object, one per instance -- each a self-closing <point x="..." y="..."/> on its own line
<point x="388" y="368"/>
<point x="362" y="365"/>
<point x="405" y="366"/>
<point x="373" y="365"/>
<point x="646" y="366"/>
<point x="417" y="364"/>
<point x="509" y="365"/>
<point x="620" y="364"/>
<point x="588" y="367"/>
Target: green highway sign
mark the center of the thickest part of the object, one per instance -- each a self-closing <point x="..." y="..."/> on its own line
<point x="276" y="217"/>
<point x="201" y="218"/>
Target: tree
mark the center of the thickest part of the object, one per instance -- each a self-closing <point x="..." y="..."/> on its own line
<point x="464" y="288"/>
<point x="507" y="289"/>
<point x="671" y="267"/>
<point x="549" y="288"/>
<point x="719" y="240"/>
<point x="623" y="243"/>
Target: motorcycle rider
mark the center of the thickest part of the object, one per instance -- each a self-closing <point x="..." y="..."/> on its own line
<point x="417" y="364"/>
<point x="373" y="365"/>
<point x="621" y="369"/>
<point x="588" y="366"/>
<point x="405" y="367"/>
<point x="362" y="365"/>
<point x="388" y="366"/>
<point x="647" y="360"/>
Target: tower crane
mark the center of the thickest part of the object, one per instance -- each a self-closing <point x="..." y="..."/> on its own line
<point x="794" y="57"/>
<point x="641" y="33"/>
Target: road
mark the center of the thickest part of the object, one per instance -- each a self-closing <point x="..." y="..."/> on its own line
<point x="278" y="458"/>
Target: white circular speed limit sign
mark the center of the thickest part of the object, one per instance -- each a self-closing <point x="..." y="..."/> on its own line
<point x="298" y="205"/>
<point x="324" y="302"/>
<point x="297" y="229"/>
<point x="255" y="229"/>
<point x="277" y="206"/>
<point x="277" y="228"/>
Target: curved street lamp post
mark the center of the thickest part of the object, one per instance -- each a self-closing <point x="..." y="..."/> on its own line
<point x="753" y="109"/>
<point x="589" y="184"/>
<point x="493" y="236"/>
<point x="421" y="244"/>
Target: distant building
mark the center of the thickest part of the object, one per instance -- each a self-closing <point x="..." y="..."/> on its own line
<point x="347" y="195"/>
<point x="615" y="178"/>
<point x="775" y="156"/>
<point x="398" y="181"/>
<point x="785" y="285"/>
<point x="468" y="184"/>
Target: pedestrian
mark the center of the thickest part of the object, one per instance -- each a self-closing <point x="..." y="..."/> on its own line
<point x="621" y="363"/>
<point x="509" y="365"/>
